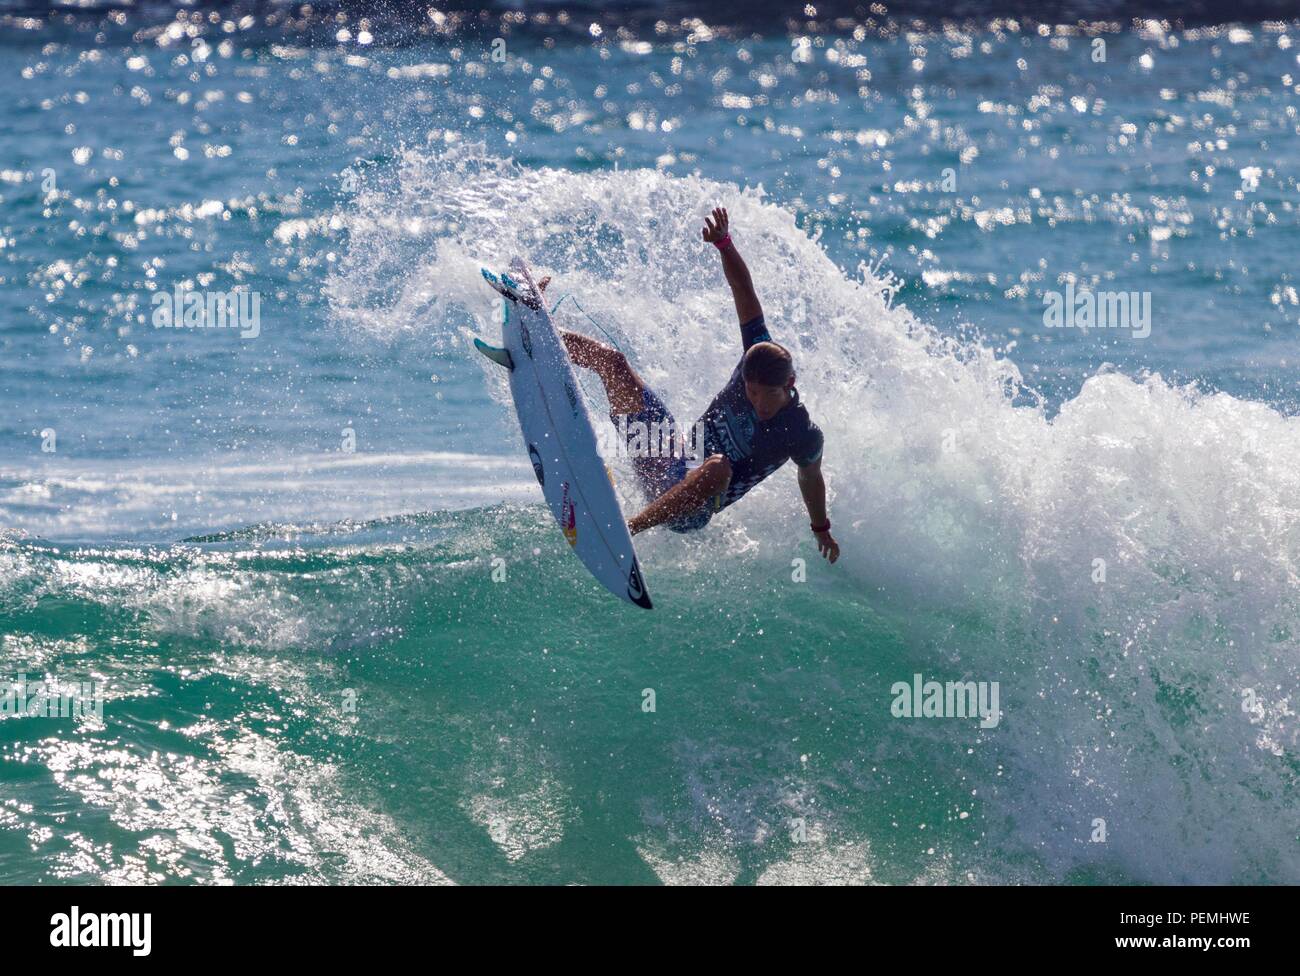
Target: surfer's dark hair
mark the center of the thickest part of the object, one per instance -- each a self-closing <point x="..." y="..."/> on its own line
<point x="767" y="364"/>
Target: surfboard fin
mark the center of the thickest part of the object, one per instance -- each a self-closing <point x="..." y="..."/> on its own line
<point x="495" y="353"/>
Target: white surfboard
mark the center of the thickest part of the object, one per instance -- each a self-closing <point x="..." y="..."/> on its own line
<point x="560" y="439"/>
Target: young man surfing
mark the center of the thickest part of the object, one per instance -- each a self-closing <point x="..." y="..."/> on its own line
<point x="752" y="427"/>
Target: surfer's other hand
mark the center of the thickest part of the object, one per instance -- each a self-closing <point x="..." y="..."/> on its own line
<point x="827" y="545"/>
<point x="715" y="227"/>
<point x="541" y="285"/>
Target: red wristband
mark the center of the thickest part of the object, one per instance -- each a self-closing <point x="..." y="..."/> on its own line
<point x="723" y="242"/>
<point x="821" y="528"/>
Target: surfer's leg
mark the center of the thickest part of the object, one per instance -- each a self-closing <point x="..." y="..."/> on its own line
<point x="648" y="439"/>
<point x="624" y="388"/>
<point x="686" y="497"/>
<point x="637" y="413"/>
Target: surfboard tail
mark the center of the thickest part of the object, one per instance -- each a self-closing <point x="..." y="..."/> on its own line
<point x="636" y="591"/>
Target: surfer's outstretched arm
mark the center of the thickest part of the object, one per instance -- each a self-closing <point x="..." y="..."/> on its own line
<point x="813" y="488"/>
<point x="716" y="233"/>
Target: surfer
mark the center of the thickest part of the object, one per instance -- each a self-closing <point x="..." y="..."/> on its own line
<point x="751" y="428"/>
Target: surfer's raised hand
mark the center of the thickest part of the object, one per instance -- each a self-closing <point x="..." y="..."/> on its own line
<point x="715" y="228"/>
<point x="717" y="231"/>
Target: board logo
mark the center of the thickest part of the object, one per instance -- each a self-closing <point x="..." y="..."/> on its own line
<point x="537" y="464"/>
<point x="526" y="339"/>
<point x="568" y="517"/>
<point x="635" y="588"/>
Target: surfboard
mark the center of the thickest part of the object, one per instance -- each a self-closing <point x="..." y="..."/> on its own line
<point x="559" y="437"/>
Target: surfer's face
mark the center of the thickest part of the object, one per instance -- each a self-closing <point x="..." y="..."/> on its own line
<point x="767" y="401"/>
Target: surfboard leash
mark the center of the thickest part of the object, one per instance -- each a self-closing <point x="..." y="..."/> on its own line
<point x="588" y="317"/>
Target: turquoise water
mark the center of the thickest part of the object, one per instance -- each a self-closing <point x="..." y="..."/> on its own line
<point x="338" y="637"/>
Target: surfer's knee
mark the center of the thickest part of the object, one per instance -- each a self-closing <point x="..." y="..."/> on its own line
<point x="616" y="372"/>
<point x="715" y="472"/>
<point x="615" y="360"/>
<point x="623" y="387"/>
<point x="615" y="364"/>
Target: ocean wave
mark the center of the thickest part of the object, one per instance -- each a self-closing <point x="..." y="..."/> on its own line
<point x="1125" y="566"/>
